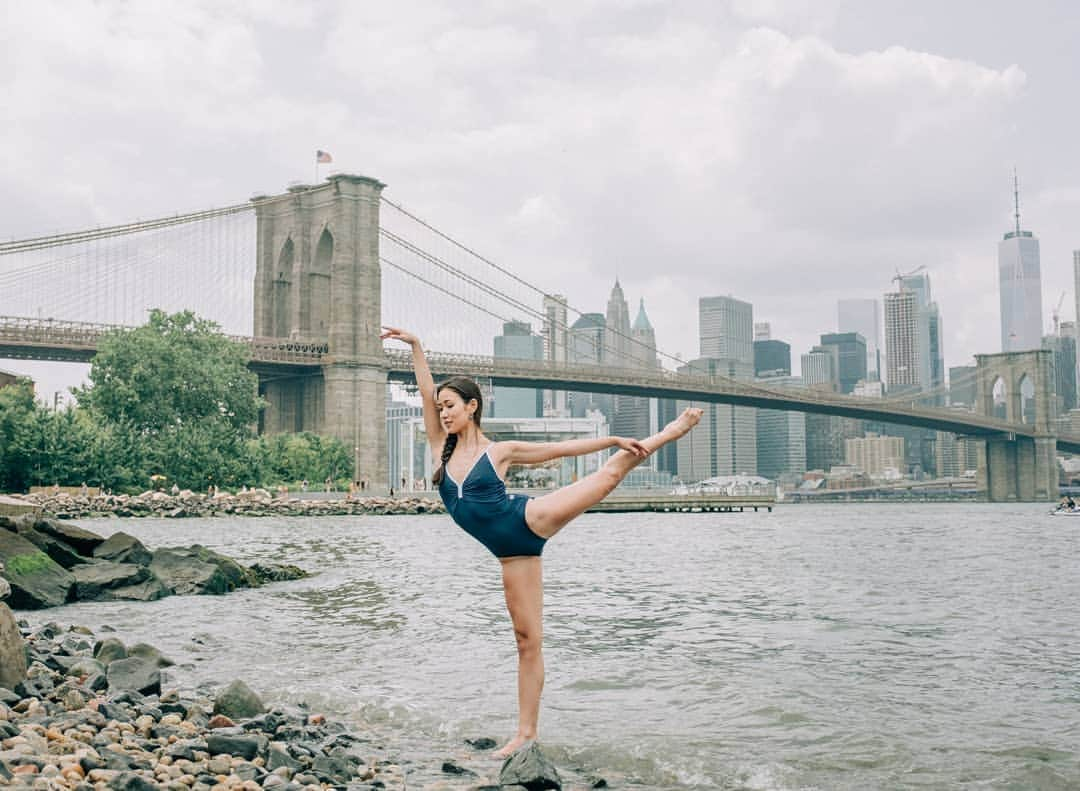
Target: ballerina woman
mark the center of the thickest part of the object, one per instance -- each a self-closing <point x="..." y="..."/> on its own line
<point x="471" y="481"/>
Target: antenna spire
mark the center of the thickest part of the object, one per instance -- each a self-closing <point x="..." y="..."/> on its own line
<point x="1016" y="200"/>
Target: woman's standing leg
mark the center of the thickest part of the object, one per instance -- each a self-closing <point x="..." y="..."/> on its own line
<point x="523" y="584"/>
<point x="547" y="515"/>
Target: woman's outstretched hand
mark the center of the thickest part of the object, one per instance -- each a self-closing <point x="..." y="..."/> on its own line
<point x="398" y="335"/>
<point x="632" y="445"/>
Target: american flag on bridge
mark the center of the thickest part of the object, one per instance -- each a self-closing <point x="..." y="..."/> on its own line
<point x="323" y="156"/>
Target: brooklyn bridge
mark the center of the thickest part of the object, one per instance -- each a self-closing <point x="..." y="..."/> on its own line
<point x="330" y="261"/>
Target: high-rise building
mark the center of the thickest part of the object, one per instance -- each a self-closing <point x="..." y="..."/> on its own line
<point x="875" y="455"/>
<point x="1063" y="346"/>
<point x="772" y="358"/>
<point x="762" y="331"/>
<point x="556" y="350"/>
<point x="517" y="342"/>
<point x="818" y="367"/>
<point x="850" y="357"/>
<point x="1076" y="326"/>
<point x="725" y="441"/>
<point x="864" y="317"/>
<point x="586" y="344"/>
<point x="962" y="385"/>
<point x="781" y="435"/>
<point x="902" y="342"/>
<point x="930" y="352"/>
<point x="635" y="416"/>
<point x="726" y="329"/>
<point x="617" y="330"/>
<point x="1020" y="287"/>
<point x="825" y="437"/>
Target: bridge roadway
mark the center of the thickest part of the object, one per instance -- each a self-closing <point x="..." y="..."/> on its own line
<point x="49" y="339"/>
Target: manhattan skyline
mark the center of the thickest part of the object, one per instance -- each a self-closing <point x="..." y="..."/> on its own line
<point x="789" y="154"/>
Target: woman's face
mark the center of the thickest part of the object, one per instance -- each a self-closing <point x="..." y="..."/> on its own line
<point x="454" y="412"/>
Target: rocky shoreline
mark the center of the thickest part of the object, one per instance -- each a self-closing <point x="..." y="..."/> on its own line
<point x="46" y="563"/>
<point x="92" y="714"/>
<point x="257" y="502"/>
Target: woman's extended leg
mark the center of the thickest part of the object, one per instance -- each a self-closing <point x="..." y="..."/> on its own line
<point x="523" y="584"/>
<point x="548" y="514"/>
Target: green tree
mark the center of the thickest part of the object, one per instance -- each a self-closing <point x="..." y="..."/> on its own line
<point x="176" y="395"/>
<point x="296" y="457"/>
<point x="17" y="417"/>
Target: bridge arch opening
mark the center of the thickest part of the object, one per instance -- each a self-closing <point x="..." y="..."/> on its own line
<point x="1000" y="396"/>
<point x="315" y="310"/>
<point x="1027" y="400"/>
<point x="281" y="325"/>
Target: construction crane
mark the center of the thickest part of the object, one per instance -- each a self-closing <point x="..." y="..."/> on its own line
<point x="899" y="276"/>
<point x="1055" y="314"/>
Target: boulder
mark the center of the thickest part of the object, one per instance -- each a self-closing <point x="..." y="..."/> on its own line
<point x="186" y="570"/>
<point x="238" y="702"/>
<point x="93" y="579"/>
<point x="151" y="589"/>
<point x="247" y="747"/>
<point x="276" y="572"/>
<point x="12" y="650"/>
<point x="134" y="673"/>
<point x="36" y="579"/>
<point x="85" y="666"/>
<point x="150" y="654"/>
<point x="529" y="767"/>
<point x="108" y="650"/>
<point x="122" y="548"/>
<point x="60" y="551"/>
<point x="82" y="541"/>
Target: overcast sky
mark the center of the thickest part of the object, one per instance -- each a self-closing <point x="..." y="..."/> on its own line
<point x="787" y="152"/>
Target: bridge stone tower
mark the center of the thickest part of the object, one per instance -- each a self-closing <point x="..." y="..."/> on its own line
<point x="1018" y="468"/>
<point x="317" y="280"/>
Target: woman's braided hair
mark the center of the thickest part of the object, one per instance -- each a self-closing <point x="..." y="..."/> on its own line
<point x="469" y="391"/>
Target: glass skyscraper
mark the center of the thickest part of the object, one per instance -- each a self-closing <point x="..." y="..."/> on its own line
<point x="864" y="317"/>
<point x="1020" y="288"/>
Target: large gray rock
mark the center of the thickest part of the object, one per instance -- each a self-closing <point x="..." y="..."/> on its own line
<point x="12" y="650"/>
<point x="58" y="550"/>
<point x="529" y="767"/>
<point x="150" y="589"/>
<point x="150" y="654"/>
<point x="5" y="586"/>
<point x="36" y="579"/>
<point x="122" y="548"/>
<point x="134" y="673"/>
<point x="93" y="579"/>
<point x="82" y="541"/>
<point x="184" y="570"/>
<point x="109" y="650"/>
<point x="238" y="702"/>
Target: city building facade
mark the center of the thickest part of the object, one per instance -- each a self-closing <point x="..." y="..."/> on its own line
<point x="850" y="357"/>
<point x="1020" y="291"/>
<point x="864" y="317"/>
<point x="877" y="456"/>
<point x="517" y="342"/>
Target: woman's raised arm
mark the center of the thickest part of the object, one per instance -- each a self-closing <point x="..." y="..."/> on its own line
<point x="435" y="431"/>
<point x="514" y="452"/>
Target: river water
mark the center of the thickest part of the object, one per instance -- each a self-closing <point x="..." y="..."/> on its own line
<point x="841" y="646"/>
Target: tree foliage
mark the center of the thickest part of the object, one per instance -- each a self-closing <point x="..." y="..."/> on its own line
<point x="173" y="398"/>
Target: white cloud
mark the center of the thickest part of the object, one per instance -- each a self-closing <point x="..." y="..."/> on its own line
<point x="696" y="149"/>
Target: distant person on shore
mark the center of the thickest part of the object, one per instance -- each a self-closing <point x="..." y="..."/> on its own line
<point x="329" y="484"/>
<point x="471" y="481"/>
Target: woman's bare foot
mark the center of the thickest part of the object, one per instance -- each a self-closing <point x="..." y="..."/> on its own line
<point x="512" y="746"/>
<point x="684" y="422"/>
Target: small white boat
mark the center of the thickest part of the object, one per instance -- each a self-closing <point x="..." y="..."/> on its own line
<point x="1065" y="512"/>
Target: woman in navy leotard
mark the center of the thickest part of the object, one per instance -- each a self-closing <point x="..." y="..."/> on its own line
<point x="470" y="478"/>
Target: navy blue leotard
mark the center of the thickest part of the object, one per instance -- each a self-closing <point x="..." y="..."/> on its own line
<point x="483" y="509"/>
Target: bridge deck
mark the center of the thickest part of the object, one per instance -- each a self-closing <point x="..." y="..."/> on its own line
<point x="49" y="339"/>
